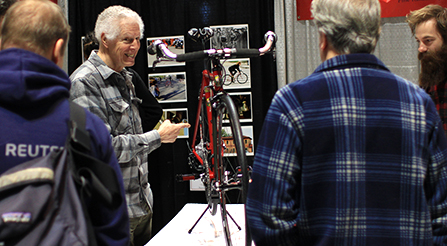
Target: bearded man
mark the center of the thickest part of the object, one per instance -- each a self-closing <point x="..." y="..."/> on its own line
<point x="429" y="26"/>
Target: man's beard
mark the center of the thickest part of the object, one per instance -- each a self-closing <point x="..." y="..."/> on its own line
<point x="433" y="67"/>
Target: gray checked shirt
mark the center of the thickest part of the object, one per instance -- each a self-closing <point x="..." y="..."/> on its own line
<point x="111" y="96"/>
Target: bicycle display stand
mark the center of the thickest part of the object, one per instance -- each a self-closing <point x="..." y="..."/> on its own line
<point x="207" y="148"/>
<point x="206" y="209"/>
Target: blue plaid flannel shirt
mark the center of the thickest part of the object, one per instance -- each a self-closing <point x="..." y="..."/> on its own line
<point x="351" y="155"/>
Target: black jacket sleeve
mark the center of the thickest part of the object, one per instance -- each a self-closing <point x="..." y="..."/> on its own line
<point x="150" y="110"/>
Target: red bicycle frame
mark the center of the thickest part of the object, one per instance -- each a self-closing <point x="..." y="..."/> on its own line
<point x="211" y="83"/>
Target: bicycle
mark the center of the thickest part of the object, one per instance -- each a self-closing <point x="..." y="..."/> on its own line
<point x="168" y="82"/>
<point x="206" y="154"/>
<point x="241" y="77"/>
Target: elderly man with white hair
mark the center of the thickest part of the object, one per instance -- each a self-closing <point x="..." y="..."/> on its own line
<point x="104" y="86"/>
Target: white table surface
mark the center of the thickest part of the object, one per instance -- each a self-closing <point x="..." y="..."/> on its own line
<point x="208" y="230"/>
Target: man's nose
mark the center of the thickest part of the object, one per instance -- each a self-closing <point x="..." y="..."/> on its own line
<point x="135" y="43"/>
<point x="422" y="48"/>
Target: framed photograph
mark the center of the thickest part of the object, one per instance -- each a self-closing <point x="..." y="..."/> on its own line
<point x="168" y="87"/>
<point x="176" y="115"/>
<point x="242" y="100"/>
<point x="174" y="43"/>
<point x="237" y="73"/>
<point x="230" y="36"/>
<point x="247" y="134"/>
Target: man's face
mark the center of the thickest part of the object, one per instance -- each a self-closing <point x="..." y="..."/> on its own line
<point x="123" y="50"/>
<point x="428" y="37"/>
<point x="432" y="54"/>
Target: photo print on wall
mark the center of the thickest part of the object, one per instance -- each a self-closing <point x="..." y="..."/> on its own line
<point x="168" y="87"/>
<point x="175" y="44"/>
<point x="237" y="73"/>
<point x="242" y="101"/>
<point x="230" y="36"/>
<point x="176" y="115"/>
<point x="247" y="134"/>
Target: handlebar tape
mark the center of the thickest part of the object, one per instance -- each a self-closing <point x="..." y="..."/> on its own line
<point x="192" y="56"/>
<point x="246" y="53"/>
<point x="200" y="55"/>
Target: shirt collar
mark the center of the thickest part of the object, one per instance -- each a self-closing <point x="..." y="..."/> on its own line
<point x="351" y="60"/>
<point x="103" y="69"/>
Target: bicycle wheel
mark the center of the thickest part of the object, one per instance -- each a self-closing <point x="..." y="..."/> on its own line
<point x="227" y="79"/>
<point x="203" y="138"/>
<point x="224" y="103"/>
<point x="242" y="78"/>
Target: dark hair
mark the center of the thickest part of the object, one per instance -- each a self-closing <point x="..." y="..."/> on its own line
<point x="4" y="5"/>
<point x="90" y="43"/>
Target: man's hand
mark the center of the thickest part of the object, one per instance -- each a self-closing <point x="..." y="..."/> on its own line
<point x="169" y="131"/>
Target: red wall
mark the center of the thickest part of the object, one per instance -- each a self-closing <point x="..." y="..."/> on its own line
<point x="390" y="8"/>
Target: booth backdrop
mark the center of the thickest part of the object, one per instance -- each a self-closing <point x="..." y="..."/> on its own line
<point x="172" y="18"/>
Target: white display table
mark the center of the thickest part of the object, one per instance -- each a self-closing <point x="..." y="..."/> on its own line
<point x="208" y="230"/>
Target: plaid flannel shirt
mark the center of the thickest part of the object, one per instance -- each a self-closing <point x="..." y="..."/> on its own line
<point x="111" y="96"/>
<point x="439" y="95"/>
<point x="351" y="155"/>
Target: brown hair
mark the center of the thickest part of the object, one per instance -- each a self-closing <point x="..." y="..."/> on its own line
<point x="431" y="11"/>
<point x="34" y="25"/>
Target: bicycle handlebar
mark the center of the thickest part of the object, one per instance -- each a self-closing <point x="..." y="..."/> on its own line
<point x="161" y="50"/>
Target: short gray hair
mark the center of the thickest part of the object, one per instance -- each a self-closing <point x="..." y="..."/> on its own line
<point x="109" y="19"/>
<point x="351" y="26"/>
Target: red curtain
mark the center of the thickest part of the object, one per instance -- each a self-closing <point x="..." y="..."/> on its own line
<point x="390" y="8"/>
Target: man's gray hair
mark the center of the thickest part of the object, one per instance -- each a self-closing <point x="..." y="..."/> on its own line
<point x="351" y="26"/>
<point x="109" y="19"/>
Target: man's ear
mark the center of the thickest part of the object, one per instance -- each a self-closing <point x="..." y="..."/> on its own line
<point x="104" y="40"/>
<point x="322" y="41"/>
<point x="322" y="45"/>
<point x="57" y="55"/>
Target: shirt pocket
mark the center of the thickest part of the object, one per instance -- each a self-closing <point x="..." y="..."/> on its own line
<point x="120" y="119"/>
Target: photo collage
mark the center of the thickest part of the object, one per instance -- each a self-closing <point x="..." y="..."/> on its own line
<point x="171" y="88"/>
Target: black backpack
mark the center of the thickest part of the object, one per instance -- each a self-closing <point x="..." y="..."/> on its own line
<point x="43" y="201"/>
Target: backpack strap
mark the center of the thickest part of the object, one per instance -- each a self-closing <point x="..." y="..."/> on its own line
<point x="78" y="133"/>
<point x="79" y="137"/>
<point x="97" y="181"/>
<point x="102" y="177"/>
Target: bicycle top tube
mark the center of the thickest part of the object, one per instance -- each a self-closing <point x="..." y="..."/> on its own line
<point x="161" y="50"/>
